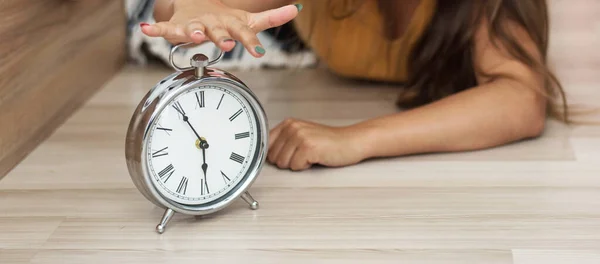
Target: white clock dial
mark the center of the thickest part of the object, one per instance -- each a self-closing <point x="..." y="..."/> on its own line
<point x="207" y="115"/>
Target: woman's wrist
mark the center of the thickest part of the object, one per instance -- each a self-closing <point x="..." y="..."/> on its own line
<point x="387" y="136"/>
<point x="361" y="139"/>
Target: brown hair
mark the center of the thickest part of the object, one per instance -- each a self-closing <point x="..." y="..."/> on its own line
<point x="441" y="62"/>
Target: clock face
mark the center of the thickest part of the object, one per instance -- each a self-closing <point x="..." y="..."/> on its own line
<point x="202" y="145"/>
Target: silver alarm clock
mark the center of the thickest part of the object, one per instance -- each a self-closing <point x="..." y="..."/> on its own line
<point x="197" y="140"/>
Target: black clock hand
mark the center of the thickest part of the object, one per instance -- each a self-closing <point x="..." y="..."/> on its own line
<point x="179" y="109"/>
<point x="202" y="142"/>
<point x="204" y="145"/>
<point x="198" y="136"/>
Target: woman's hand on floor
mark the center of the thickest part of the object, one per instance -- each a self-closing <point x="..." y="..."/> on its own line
<point x="297" y="145"/>
<point x="210" y="20"/>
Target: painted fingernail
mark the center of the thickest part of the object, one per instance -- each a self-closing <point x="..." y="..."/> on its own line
<point x="299" y="6"/>
<point x="259" y="49"/>
<point x="143" y="24"/>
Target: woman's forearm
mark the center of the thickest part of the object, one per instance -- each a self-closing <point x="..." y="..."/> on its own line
<point x="163" y="9"/>
<point x="486" y="116"/>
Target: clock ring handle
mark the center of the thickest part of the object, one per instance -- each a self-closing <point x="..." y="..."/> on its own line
<point x="174" y="48"/>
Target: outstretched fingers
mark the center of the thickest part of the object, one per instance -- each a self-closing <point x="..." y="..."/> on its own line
<point x="223" y="29"/>
<point x="217" y="32"/>
<point x="273" y="18"/>
<point x="247" y="37"/>
<point x="172" y="32"/>
<point x="195" y="31"/>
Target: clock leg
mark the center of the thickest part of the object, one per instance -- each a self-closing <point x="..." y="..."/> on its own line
<point x="248" y="198"/>
<point x="160" y="228"/>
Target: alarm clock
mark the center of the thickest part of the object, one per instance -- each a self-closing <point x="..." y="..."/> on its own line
<point x="197" y="140"/>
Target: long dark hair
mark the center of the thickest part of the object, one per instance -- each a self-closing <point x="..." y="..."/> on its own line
<point x="441" y="62"/>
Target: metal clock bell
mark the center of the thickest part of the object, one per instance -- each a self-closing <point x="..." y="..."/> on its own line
<point x="197" y="140"/>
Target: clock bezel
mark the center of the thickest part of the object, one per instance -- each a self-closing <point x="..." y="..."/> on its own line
<point x="148" y="112"/>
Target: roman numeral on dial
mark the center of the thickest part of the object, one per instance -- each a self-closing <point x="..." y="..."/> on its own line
<point x="236" y="157"/>
<point x="225" y="178"/>
<point x="179" y="108"/>
<point x="204" y="186"/>
<point x="200" y="98"/>
<point x="166" y="173"/>
<point x="239" y="112"/>
<point x="242" y="135"/>
<point x="182" y="188"/>
<point x="160" y="153"/>
<point x="164" y="129"/>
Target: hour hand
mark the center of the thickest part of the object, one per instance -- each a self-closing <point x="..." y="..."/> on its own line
<point x="204" y="145"/>
<point x="205" y="182"/>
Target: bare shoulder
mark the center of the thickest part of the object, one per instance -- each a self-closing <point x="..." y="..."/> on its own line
<point x="498" y="51"/>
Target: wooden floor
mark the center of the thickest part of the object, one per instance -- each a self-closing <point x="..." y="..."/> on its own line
<point x="71" y="200"/>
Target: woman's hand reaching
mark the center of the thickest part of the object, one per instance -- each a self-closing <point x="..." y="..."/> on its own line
<point x="297" y="145"/>
<point x="198" y="21"/>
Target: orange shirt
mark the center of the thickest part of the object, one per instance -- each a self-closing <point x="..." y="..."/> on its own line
<point x="355" y="46"/>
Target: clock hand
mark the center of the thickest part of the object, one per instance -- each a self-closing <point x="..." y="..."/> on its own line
<point x="204" y="145"/>
<point x="179" y="109"/>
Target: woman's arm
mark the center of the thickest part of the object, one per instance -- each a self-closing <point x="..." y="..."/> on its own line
<point x="496" y="112"/>
<point x="489" y="115"/>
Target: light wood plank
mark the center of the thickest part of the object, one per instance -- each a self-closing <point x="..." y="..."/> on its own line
<point x="67" y="203"/>
<point x="395" y="201"/>
<point x="274" y="256"/>
<point x="525" y="256"/>
<point x="16" y="256"/>
<point x="26" y="232"/>
<point x="328" y="227"/>
<point x="587" y="149"/>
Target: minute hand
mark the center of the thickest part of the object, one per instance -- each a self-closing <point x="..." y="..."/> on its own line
<point x="179" y="109"/>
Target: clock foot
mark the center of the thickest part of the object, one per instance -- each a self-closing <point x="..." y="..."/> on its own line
<point x="248" y="198"/>
<point x="160" y="228"/>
